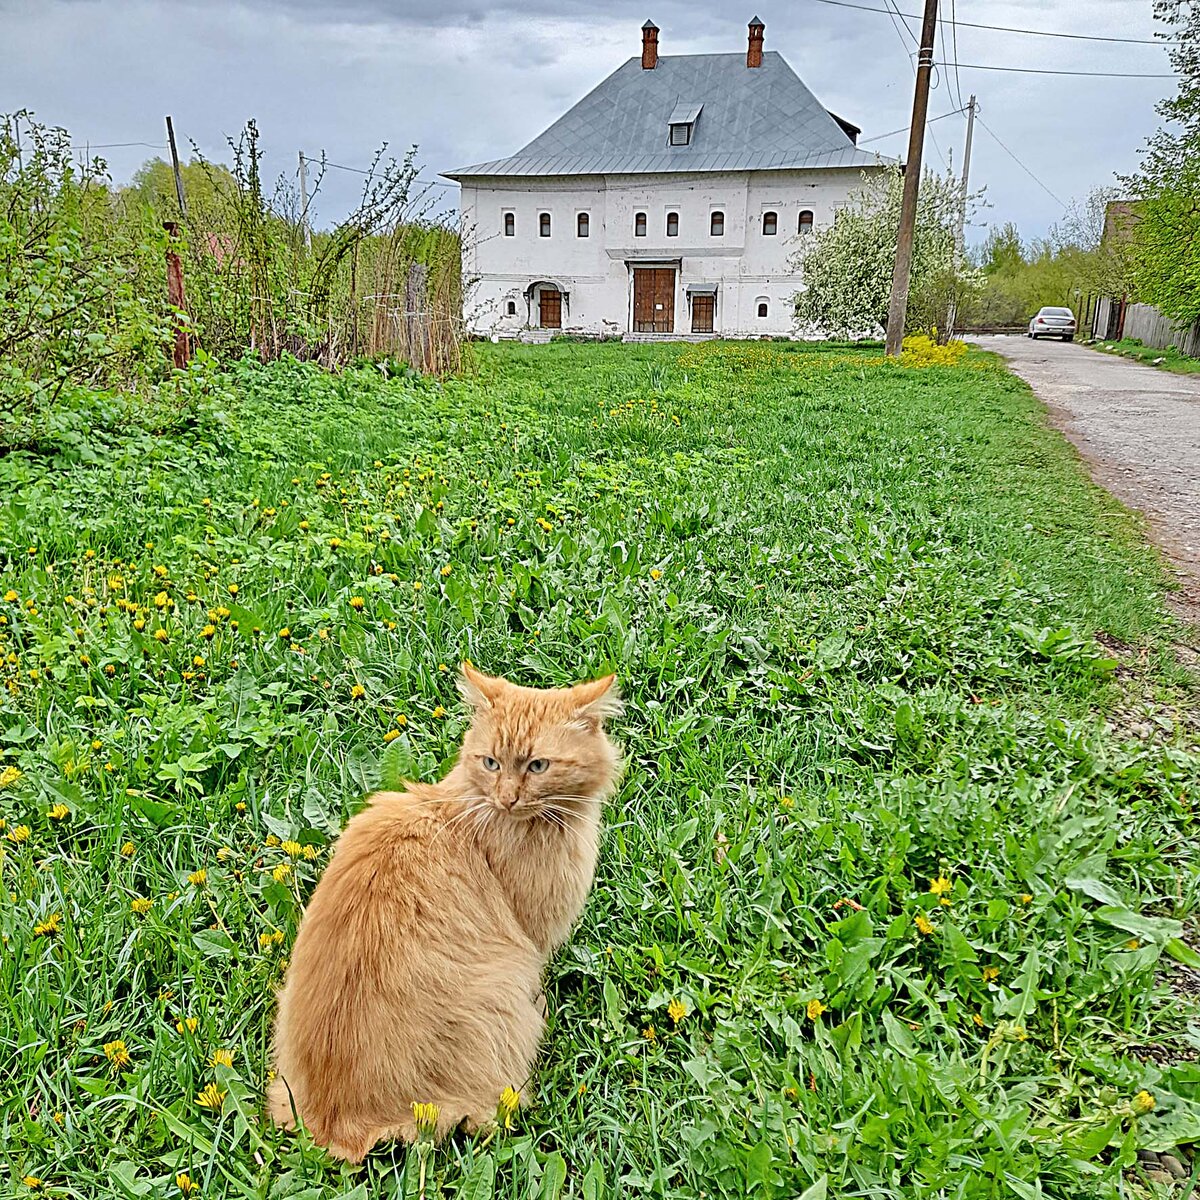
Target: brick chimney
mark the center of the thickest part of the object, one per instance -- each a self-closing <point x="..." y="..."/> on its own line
<point x="754" y="46"/>
<point x="649" y="46"/>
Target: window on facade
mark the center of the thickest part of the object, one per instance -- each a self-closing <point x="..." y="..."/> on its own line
<point x="762" y="308"/>
<point x="672" y="224"/>
<point x="544" y="224"/>
<point x="511" y="308"/>
<point x="581" y="224"/>
<point x="770" y="224"/>
<point x="716" y="224"/>
<point x="804" y="225"/>
<point x="510" y="225"/>
<point x="639" y="224"/>
<point x="681" y="134"/>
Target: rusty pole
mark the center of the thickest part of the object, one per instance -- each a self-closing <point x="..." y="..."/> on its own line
<point x="176" y="297"/>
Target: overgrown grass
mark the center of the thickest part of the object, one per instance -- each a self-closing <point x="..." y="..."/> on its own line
<point x="1169" y="359"/>
<point x="875" y="836"/>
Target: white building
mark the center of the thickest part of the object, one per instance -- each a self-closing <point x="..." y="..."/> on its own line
<point x="667" y="202"/>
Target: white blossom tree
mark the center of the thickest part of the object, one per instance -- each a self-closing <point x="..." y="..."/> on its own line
<point x="847" y="266"/>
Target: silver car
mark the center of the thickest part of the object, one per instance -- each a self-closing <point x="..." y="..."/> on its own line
<point x="1053" y="322"/>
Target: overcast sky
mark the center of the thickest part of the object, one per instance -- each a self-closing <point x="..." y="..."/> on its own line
<point x="469" y="80"/>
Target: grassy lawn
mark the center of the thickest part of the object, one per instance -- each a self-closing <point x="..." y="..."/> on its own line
<point x="1169" y="359"/>
<point x="919" y="902"/>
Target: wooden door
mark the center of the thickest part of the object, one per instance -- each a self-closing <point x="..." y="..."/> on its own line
<point x="704" y="308"/>
<point x="654" y="300"/>
<point x="550" y="309"/>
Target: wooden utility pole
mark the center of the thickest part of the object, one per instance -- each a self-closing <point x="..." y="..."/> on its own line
<point x="175" y="167"/>
<point x="176" y="298"/>
<point x="898" y="305"/>
<point x="304" y="202"/>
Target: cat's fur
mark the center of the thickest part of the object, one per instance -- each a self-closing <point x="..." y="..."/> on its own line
<point x="416" y="975"/>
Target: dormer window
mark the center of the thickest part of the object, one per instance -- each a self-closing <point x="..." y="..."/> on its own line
<point x="681" y="124"/>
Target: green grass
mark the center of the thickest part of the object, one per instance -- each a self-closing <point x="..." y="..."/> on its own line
<point x="1169" y="359"/>
<point x="854" y="608"/>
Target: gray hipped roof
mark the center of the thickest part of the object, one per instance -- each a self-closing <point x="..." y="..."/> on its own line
<point x="752" y="119"/>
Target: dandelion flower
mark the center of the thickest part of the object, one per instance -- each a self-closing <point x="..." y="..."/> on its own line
<point x="1025" y="898"/>
<point x="186" y="1184"/>
<point x="426" y="1117"/>
<point x="924" y="924"/>
<point x="391" y="736"/>
<point x="814" y="1010"/>
<point x="233" y="589"/>
<point x="221" y="1058"/>
<point x="117" y="1053"/>
<point x="510" y="1101"/>
<point x="162" y="600"/>
<point x="656" y="574"/>
<point x="32" y="1182"/>
<point x="285" y="633"/>
<point x="357" y="692"/>
<point x="188" y="1024"/>
<point x="990" y="973"/>
<point x="334" y="543"/>
<point x="977" y="1019"/>
<point x="49" y="926"/>
<point x="438" y="712"/>
<point x="676" y="1011"/>
<point x="311" y="852"/>
<point x="11" y="597"/>
<point x="446" y="570"/>
<point x="292" y="849"/>
<point x="8" y="777"/>
<point x="128" y="850"/>
<point x="281" y="872"/>
<point x="160" y="635"/>
<point x="401" y="720"/>
<point x="650" y="1033"/>
<point x="357" y="603"/>
<point x="19" y="834"/>
<point x="141" y="905"/>
<point x="940" y="886"/>
<point x="208" y="632"/>
<point x="211" y="1097"/>
<point x="198" y="878"/>
<point x="1143" y="1103"/>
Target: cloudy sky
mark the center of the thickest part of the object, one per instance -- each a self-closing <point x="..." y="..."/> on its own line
<point x="469" y="80"/>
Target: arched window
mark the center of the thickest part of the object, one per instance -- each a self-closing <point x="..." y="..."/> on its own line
<point x="639" y="224"/>
<point x="716" y="224"/>
<point x="544" y="225"/>
<point x="804" y="224"/>
<point x="762" y="308"/>
<point x="511" y="308"/>
<point x="510" y="225"/>
<point x="770" y="224"/>
<point x="581" y="224"/>
<point x="672" y="224"/>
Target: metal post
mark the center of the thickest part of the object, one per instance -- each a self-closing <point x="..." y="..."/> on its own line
<point x="962" y="212"/>
<point x="175" y="166"/>
<point x="898" y="305"/>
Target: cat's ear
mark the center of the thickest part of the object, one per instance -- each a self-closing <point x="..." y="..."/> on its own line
<point x="476" y="688"/>
<point x="596" y="701"/>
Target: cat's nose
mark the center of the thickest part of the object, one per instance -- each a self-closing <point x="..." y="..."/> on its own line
<point x="508" y="802"/>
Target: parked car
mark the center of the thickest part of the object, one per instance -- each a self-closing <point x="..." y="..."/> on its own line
<point x="1053" y="322"/>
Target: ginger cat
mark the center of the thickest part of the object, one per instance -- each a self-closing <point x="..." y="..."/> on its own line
<point x="416" y="972"/>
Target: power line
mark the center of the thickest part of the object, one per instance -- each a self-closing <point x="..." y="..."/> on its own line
<point x="904" y="128"/>
<point x="360" y="171"/>
<point x="1019" y="163"/>
<point x="1048" y="71"/>
<point x="954" y="54"/>
<point x="116" y="145"/>
<point x="1085" y="37"/>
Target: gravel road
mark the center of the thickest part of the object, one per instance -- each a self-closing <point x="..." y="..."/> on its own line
<point x="1137" y="427"/>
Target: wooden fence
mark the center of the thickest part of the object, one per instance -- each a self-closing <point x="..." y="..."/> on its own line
<point x="1116" y="318"/>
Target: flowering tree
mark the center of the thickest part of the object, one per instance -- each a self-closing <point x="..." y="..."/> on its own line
<point x="847" y="266"/>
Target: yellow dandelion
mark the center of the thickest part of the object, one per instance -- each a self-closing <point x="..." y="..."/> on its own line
<point x="225" y="853"/>
<point x="426" y="1117"/>
<point x="650" y="1033"/>
<point x="438" y="712"/>
<point x="285" y="633"/>
<point x="221" y="1058"/>
<point x="292" y="849"/>
<point x="198" y="660"/>
<point x="311" y="852"/>
<point x="272" y="840"/>
<point x="139" y="624"/>
<point x="391" y="735"/>
<point x="32" y="1182"/>
<point x="198" y="878"/>
<point x="357" y="603"/>
<point x="128" y="850"/>
<point x="8" y="777"/>
<point x="11" y="597"/>
<point x="924" y="924"/>
<point x="117" y="1053"/>
<point x="990" y="973"/>
<point x="656" y="574"/>
<point x="49" y="926"/>
<point x="417" y="585"/>
<point x="211" y="1097"/>
<point x="814" y="1009"/>
<point x="357" y="692"/>
<point x="401" y="720"/>
<point x="160" y="635"/>
<point x="446" y="570"/>
<point x="510" y="1101"/>
<point x="161" y="600"/>
<point x="19" y="834"/>
<point x="940" y="886"/>
<point x="240" y="806"/>
<point x="1025" y="898"/>
<point x="1143" y="1103"/>
<point x="187" y="1024"/>
<point x="183" y="1181"/>
<point x="334" y="543"/>
<point x="977" y="1019"/>
<point x="265" y="941"/>
<point x="141" y="905"/>
<point x="281" y="872"/>
<point x="208" y="632"/>
<point x="304" y="526"/>
<point x="676" y="1011"/>
<point x="233" y="589"/>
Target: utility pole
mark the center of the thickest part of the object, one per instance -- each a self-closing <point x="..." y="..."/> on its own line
<point x="175" y="166"/>
<point x="898" y="305"/>
<point x="304" y="202"/>
<point x="962" y="210"/>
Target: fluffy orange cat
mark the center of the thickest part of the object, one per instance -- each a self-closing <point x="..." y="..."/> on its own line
<point x="416" y="975"/>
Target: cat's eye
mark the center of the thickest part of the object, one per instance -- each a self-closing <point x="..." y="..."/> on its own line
<point x="490" y="764"/>
<point x="538" y="765"/>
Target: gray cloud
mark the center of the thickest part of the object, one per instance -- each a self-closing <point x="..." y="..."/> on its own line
<point x="469" y="81"/>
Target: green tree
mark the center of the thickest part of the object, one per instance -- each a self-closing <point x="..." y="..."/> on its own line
<point x="1165" y="256"/>
<point x="847" y="267"/>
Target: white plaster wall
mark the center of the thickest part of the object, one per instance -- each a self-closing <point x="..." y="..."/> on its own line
<point x="747" y="265"/>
